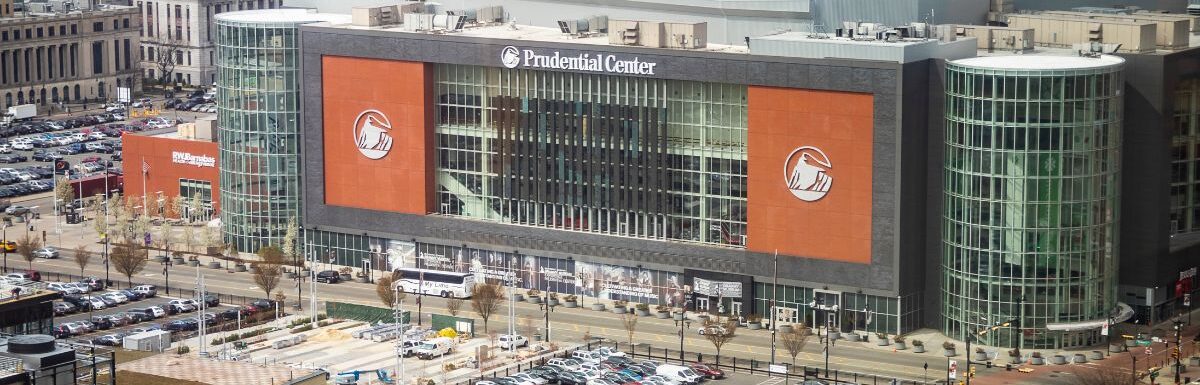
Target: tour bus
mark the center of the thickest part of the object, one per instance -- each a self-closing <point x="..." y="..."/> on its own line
<point x="446" y="284"/>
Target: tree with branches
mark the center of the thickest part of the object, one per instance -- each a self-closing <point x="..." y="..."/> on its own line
<point x="486" y="300"/>
<point x="179" y="205"/>
<point x="453" y="305"/>
<point x="26" y="245"/>
<point x="629" y="321"/>
<point x="195" y="207"/>
<point x="165" y="238"/>
<point x="82" y="257"/>
<point x="189" y="237"/>
<point x="720" y="333"/>
<point x="164" y="55"/>
<point x="291" y="233"/>
<point x="268" y="268"/>
<point x="795" y="340"/>
<point x="128" y="258"/>
<point x="64" y="193"/>
<point x="386" y="290"/>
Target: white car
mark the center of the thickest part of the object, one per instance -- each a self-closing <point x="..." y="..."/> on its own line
<point x="569" y="364"/>
<point x="79" y="137"/>
<point x="116" y="297"/>
<point x="512" y="341"/>
<point x="64" y="288"/>
<point x="590" y="374"/>
<point x="83" y="288"/>
<point x="63" y="141"/>
<point x="607" y="351"/>
<point x="5" y="149"/>
<point x="594" y="366"/>
<point x="97" y="136"/>
<point x="24" y="176"/>
<point x="96" y="303"/>
<point x="529" y="377"/>
<point x="711" y="329"/>
<point x="22" y="146"/>
<point x="46" y="252"/>
<point x="19" y="278"/>
<point x="586" y="356"/>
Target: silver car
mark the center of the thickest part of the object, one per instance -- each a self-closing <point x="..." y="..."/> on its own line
<point x="46" y="252"/>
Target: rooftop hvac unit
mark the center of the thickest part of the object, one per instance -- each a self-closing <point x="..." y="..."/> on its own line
<point x="418" y="22"/>
<point x="491" y="14"/>
<point x="573" y="27"/>
<point x="449" y="22"/>
<point x="598" y="23"/>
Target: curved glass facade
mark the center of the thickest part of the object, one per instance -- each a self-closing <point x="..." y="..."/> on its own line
<point x="1030" y="199"/>
<point x="258" y="114"/>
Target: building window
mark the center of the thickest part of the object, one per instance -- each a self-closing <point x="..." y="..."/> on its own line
<point x="198" y="195"/>
<point x="62" y="30"/>
<point x="98" y="26"/>
<point x="125" y="23"/>
<point x="74" y="29"/>
<point x="50" y="30"/>
<point x="116" y="24"/>
<point x="4" y="36"/>
<point x="40" y="32"/>
<point x="97" y="60"/>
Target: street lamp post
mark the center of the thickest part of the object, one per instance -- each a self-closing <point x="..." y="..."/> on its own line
<point x="5" y="247"/>
<point x="1178" y="351"/>
<point x="546" y="310"/>
<point x="683" y="324"/>
<point x="167" y="274"/>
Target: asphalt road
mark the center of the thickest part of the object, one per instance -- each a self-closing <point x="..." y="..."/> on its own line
<point x="566" y="324"/>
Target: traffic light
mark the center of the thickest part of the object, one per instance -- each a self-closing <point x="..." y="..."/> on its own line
<point x="1175" y="353"/>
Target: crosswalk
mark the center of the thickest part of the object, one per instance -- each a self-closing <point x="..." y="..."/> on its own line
<point x="772" y="381"/>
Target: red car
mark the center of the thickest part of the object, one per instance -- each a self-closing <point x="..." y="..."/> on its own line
<point x="707" y="371"/>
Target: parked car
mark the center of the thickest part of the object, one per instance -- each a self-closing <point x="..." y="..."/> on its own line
<point x="146" y="291"/>
<point x="94" y="283"/>
<point x="512" y="341"/>
<point x="102" y="322"/>
<point x="328" y="276"/>
<point x="63" y="308"/>
<point x="263" y="304"/>
<point x="63" y="288"/>
<point x="132" y="295"/>
<point x="707" y="371"/>
<point x="116" y="296"/>
<point x="181" y="306"/>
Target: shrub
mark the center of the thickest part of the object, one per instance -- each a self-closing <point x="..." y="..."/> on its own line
<point x="448" y="333"/>
<point x="571" y="298"/>
<point x="183" y="349"/>
<point x="882" y="336"/>
<point x="620" y="303"/>
<point x="979" y="350"/>
<point x="642" y="306"/>
<point x="753" y="318"/>
<point x="1012" y="353"/>
<point x="302" y="329"/>
<point x="323" y="324"/>
<point x="553" y="296"/>
<point x="918" y="343"/>
<point x="662" y="308"/>
<point x="217" y="341"/>
<point x="898" y="339"/>
<point x="345" y="270"/>
<point x="1037" y="355"/>
<point x="534" y="292"/>
<point x="947" y="345"/>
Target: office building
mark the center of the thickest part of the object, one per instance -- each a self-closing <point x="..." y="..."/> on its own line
<point x="185" y="31"/>
<point x="181" y="163"/>
<point x="54" y="59"/>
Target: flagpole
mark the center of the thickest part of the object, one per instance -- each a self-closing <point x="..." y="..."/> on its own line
<point x="145" y="175"/>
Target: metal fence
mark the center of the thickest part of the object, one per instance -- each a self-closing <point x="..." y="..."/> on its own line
<point x="173" y="291"/>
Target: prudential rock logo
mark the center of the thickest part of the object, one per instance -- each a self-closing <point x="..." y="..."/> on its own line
<point x="510" y="57"/>
<point x="806" y="172"/>
<point x="371" y="134"/>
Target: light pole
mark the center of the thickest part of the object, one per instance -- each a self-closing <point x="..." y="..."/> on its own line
<point x="5" y="245"/>
<point x="683" y="324"/>
<point x="546" y="310"/>
<point x="166" y="273"/>
<point x="1178" y="352"/>
<point x="397" y="312"/>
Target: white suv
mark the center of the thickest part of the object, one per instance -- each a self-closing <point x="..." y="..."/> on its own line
<point x="512" y="341"/>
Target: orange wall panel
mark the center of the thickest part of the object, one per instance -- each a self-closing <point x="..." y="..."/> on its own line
<point x="394" y="172"/>
<point x="810" y="173"/>
<point x="164" y="173"/>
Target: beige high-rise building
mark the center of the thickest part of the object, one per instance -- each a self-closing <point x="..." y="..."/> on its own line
<point x="6" y="8"/>
<point x="65" y="58"/>
<point x="185" y="30"/>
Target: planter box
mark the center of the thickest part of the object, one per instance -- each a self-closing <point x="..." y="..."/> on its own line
<point x="755" y="325"/>
<point x="785" y="328"/>
<point x="160" y="259"/>
<point x="551" y="302"/>
<point x="852" y="337"/>
<point x="1096" y="355"/>
<point x="1194" y="361"/>
<point x="1116" y="348"/>
<point x="641" y="312"/>
<point x="677" y="316"/>
<point x="533" y="299"/>
<point x="1058" y="359"/>
<point x="981" y="356"/>
<point x="662" y="315"/>
<point x="518" y="298"/>
<point x="289" y="275"/>
<point x="833" y="335"/>
<point x="598" y="306"/>
<point x="239" y="268"/>
<point x="919" y="349"/>
<point x="1130" y="343"/>
<point x="360" y="279"/>
<point x="949" y="352"/>
<point x="193" y="263"/>
<point x="571" y="304"/>
<point x="901" y="345"/>
<point x="344" y="277"/>
<point x="618" y="309"/>
<point x="881" y="341"/>
<point x="214" y="265"/>
<point x="1037" y="361"/>
<point x="178" y="261"/>
<point x="1079" y="358"/>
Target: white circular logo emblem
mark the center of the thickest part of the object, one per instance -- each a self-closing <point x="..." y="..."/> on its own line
<point x="371" y="134"/>
<point x="510" y="56"/>
<point x="806" y="172"/>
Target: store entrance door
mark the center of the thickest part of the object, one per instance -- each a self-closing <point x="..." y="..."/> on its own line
<point x="735" y="308"/>
<point x="827" y="307"/>
<point x="702" y="303"/>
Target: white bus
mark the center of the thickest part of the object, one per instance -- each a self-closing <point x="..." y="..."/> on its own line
<point x="445" y="284"/>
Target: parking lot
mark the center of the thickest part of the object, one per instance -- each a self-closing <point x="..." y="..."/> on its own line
<point x="221" y="317"/>
<point x="89" y="142"/>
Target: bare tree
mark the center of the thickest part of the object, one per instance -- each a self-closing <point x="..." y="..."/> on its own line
<point x="526" y="326"/>
<point x="163" y="55"/>
<point x="795" y="340"/>
<point x="195" y="206"/>
<point x="64" y="193"/>
<point x="26" y="245"/>
<point x="486" y="300"/>
<point x="453" y="305"/>
<point x="719" y="333"/>
<point x="82" y="256"/>
<point x="629" y="321"/>
<point x="386" y="290"/>
<point x="189" y="237"/>
<point x="129" y="259"/>
<point x="289" y="243"/>
<point x="178" y="205"/>
<point x="268" y="268"/>
<point x="166" y="237"/>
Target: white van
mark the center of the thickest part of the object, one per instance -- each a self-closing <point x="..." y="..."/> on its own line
<point x="678" y="373"/>
<point x="436" y="347"/>
<point x="407" y="348"/>
<point x="586" y="356"/>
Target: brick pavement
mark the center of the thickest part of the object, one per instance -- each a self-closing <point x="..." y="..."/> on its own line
<point x="216" y="372"/>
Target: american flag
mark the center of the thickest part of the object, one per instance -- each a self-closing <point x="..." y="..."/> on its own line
<point x="145" y="167"/>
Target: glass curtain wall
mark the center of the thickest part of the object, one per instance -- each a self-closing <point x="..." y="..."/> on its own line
<point x="1185" y="158"/>
<point x="258" y="111"/>
<point x="637" y="157"/>
<point x="1030" y="202"/>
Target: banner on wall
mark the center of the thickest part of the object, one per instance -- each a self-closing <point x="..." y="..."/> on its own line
<point x="717" y="288"/>
<point x="628" y="283"/>
<point x="496" y="268"/>
<point x="400" y="254"/>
